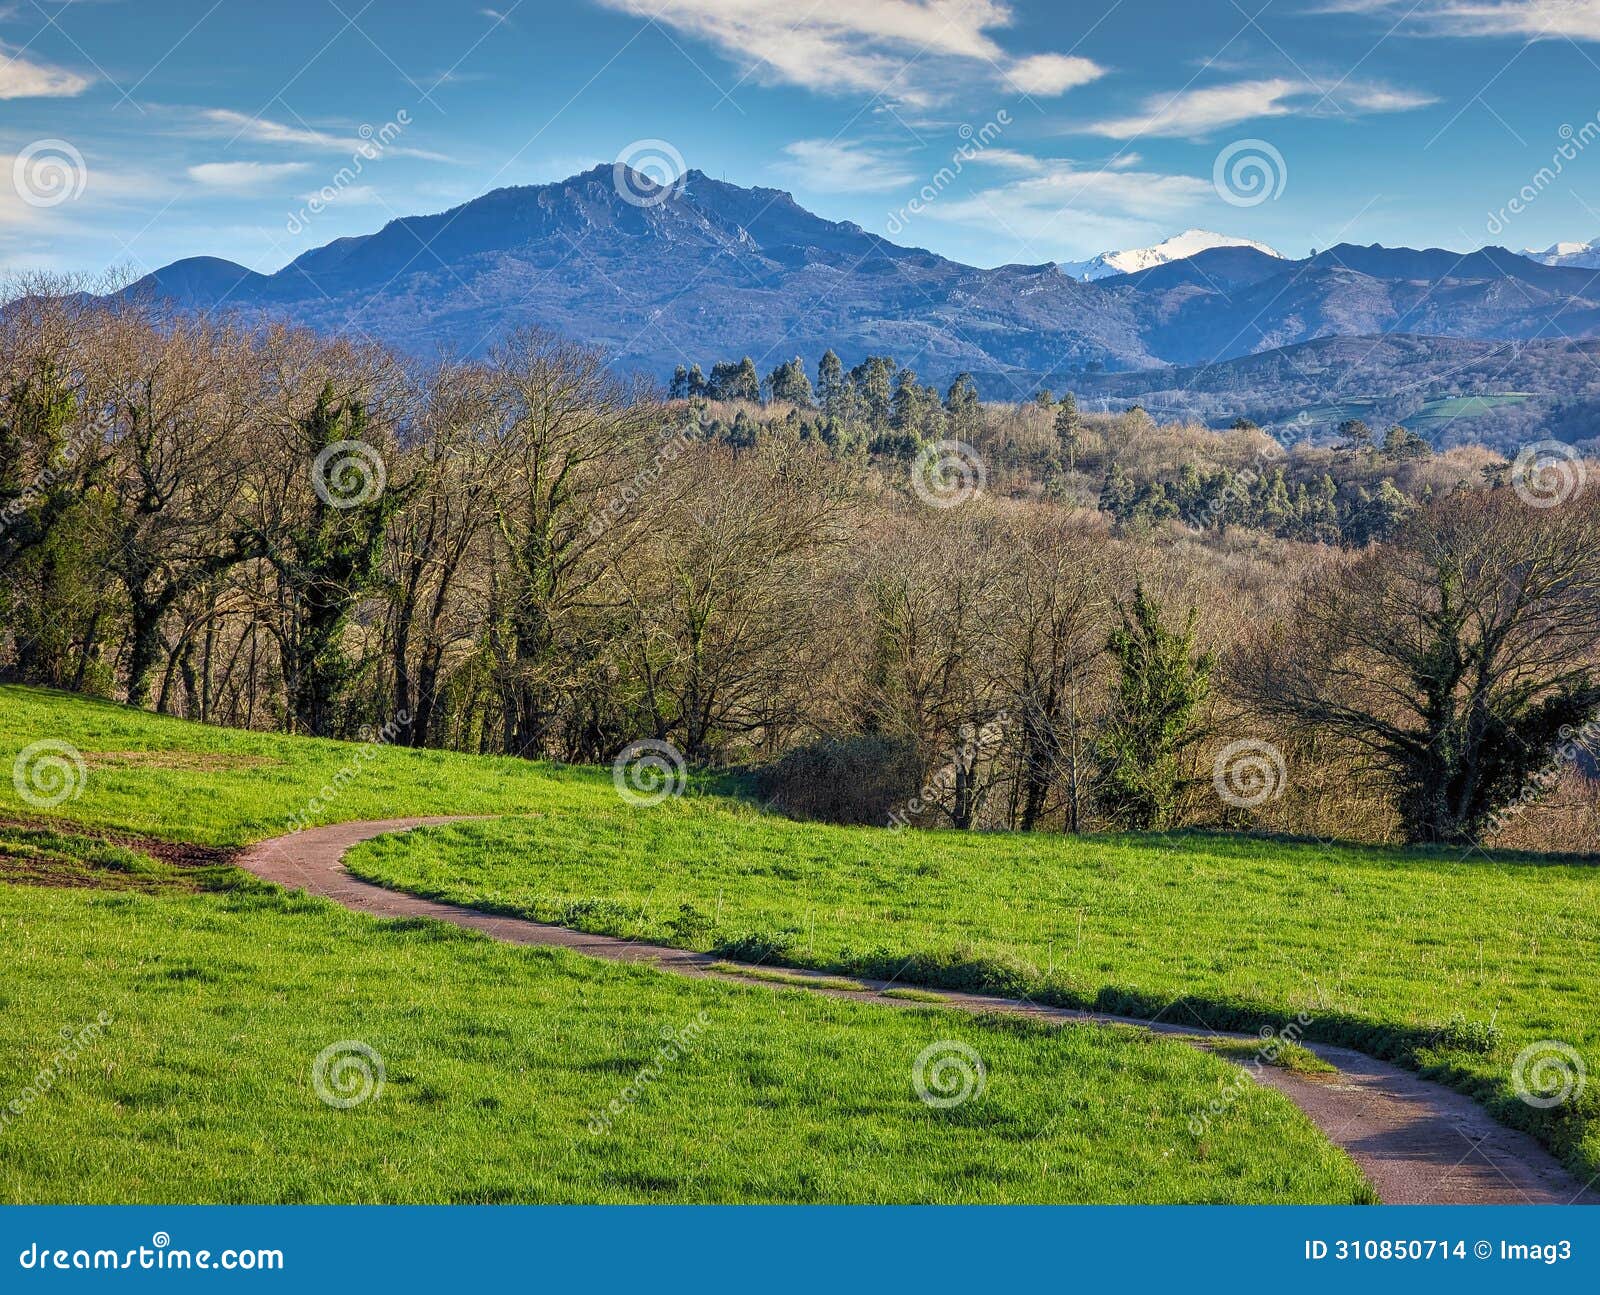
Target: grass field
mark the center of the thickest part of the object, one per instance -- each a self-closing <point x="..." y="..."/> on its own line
<point x="1451" y="964"/>
<point x="1433" y="415"/>
<point x="177" y="1012"/>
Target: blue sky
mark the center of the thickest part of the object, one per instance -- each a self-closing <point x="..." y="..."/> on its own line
<point x="135" y="132"/>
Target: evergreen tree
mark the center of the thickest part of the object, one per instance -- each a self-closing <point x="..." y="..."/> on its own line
<point x="1377" y="514"/>
<point x="907" y="412"/>
<point x="1399" y="445"/>
<point x="1069" y="430"/>
<point x="872" y="389"/>
<point x="326" y="564"/>
<point x="1153" y="722"/>
<point x="788" y="383"/>
<point x="962" y="408"/>
<point x="1117" y="495"/>
<point x="746" y="384"/>
<point x="1355" y="436"/>
<point x="830" y="384"/>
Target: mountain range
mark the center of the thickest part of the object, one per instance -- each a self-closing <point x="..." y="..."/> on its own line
<point x="1580" y="256"/>
<point x="703" y="270"/>
<point x="1180" y="247"/>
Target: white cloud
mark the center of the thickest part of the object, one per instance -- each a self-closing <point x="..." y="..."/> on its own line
<point x="1190" y="114"/>
<point x="261" y="130"/>
<point x="1074" y="211"/>
<point x="22" y="79"/>
<point x="243" y="176"/>
<point x="1530" y="19"/>
<point x="1381" y="98"/>
<point x="896" y="48"/>
<point x="1194" y="112"/>
<point x="351" y="195"/>
<point x="842" y="167"/>
<point x="225" y="123"/>
<point x="1052" y="74"/>
<point x="1008" y="159"/>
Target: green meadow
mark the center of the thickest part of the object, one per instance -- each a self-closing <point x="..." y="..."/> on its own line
<point x="162" y="1024"/>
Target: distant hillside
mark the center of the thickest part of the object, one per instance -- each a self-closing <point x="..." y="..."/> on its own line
<point x="709" y="270"/>
<point x="1451" y="391"/>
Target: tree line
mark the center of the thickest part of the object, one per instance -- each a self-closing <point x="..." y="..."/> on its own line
<point x="528" y="555"/>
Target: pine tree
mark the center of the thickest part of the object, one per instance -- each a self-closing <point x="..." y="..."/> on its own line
<point x="1069" y="430"/>
<point x="1117" y="495"/>
<point x="1162" y="684"/>
<point x="1356" y="436"/>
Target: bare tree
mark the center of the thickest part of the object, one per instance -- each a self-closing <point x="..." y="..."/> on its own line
<point x="1454" y="659"/>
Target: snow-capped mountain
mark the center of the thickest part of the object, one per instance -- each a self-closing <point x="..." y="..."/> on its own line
<point x="1572" y="256"/>
<point x="1177" y="248"/>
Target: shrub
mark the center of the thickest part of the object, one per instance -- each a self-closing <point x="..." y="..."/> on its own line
<point x="855" y="779"/>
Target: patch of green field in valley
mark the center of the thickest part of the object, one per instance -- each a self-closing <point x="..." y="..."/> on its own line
<point x="177" y="1035"/>
<point x="1449" y="408"/>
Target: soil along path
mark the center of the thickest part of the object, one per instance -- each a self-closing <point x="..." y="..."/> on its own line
<point x="1418" y="1142"/>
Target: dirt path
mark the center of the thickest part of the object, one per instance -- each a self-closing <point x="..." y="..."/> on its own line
<point x="1417" y="1142"/>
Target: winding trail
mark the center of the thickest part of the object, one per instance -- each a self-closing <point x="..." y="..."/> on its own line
<point x="1418" y="1142"/>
